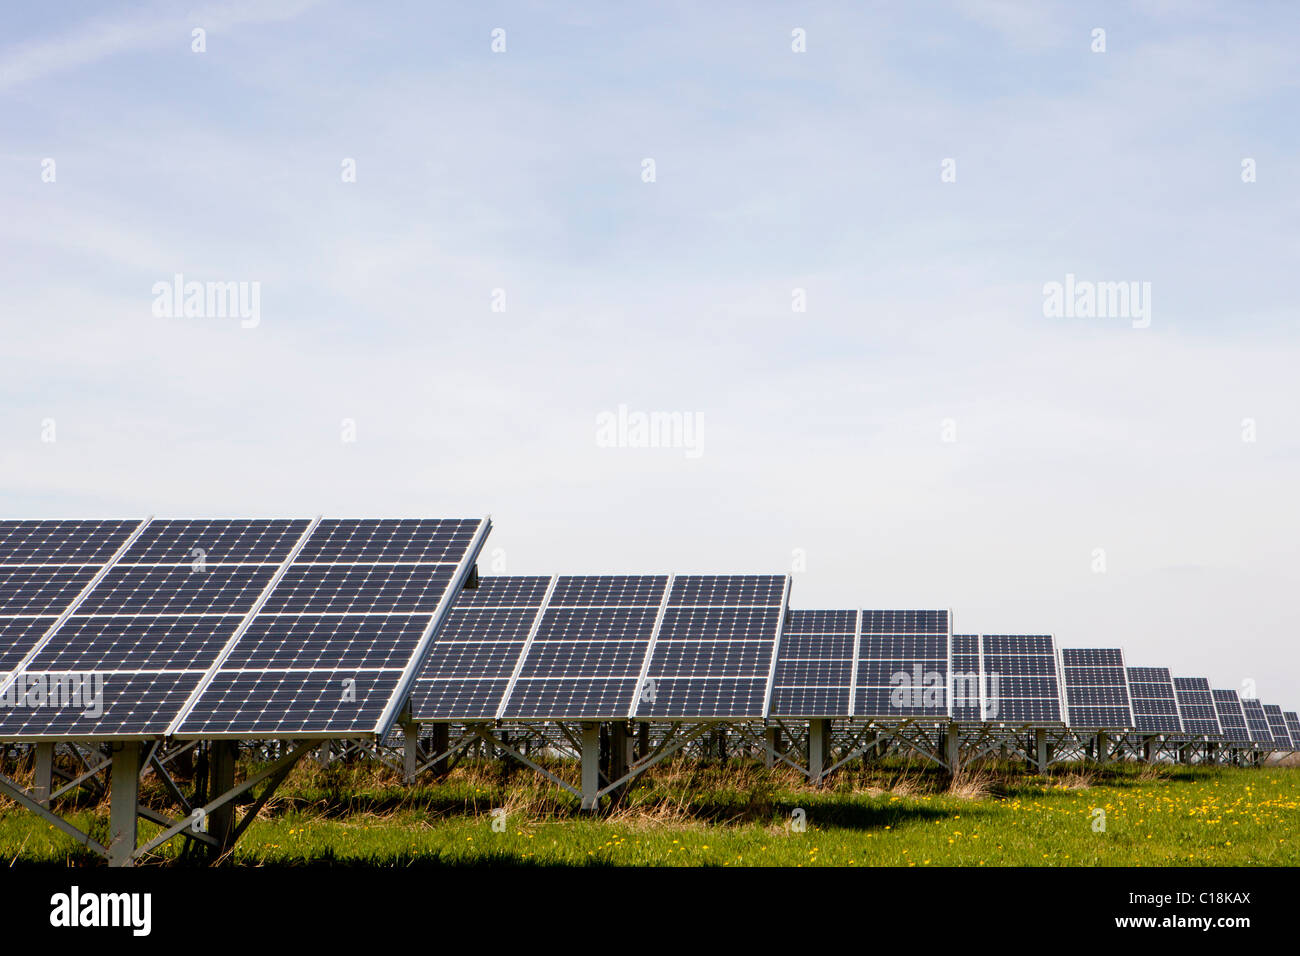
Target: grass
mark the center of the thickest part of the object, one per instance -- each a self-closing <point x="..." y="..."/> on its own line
<point x="688" y="814"/>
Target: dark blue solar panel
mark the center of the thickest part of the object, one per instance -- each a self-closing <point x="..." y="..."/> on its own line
<point x="1151" y="692"/>
<point x="280" y="703"/>
<point x="18" y="636"/>
<point x="1257" y="721"/>
<point x="469" y="667"/>
<point x="1196" y="706"/>
<point x="35" y="591"/>
<point x="338" y="634"/>
<point x="1292" y="720"/>
<point x="1232" y="719"/>
<point x="215" y="541"/>
<point x="1096" y="688"/>
<point x="1277" y="724"/>
<point x="402" y="540"/>
<point x="589" y="648"/>
<point x="902" y="669"/>
<point x="814" y="665"/>
<point x="62" y="542"/>
<point x="1020" y="676"/>
<point x="690" y="673"/>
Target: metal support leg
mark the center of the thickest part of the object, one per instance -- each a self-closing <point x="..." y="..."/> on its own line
<point x="590" y="764"/>
<point x="221" y="764"/>
<point x="1149" y="749"/>
<point x="1103" y="748"/>
<point x="124" y="800"/>
<point x="43" y="785"/>
<point x="772" y="737"/>
<point x="1040" y="749"/>
<point x="951" y="749"/>
<point x="410" y="750"/>
<point x="819" y="746"/>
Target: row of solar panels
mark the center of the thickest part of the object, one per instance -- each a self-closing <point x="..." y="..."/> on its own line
<point x="196" y="629"/>
<point x="266" y="628"/>
<point x="611" y="647"/>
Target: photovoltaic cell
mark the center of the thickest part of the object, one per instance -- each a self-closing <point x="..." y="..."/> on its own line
<point x="1155" y="706"/>
<point x="1096" y="688"/>
<point x="1196" y="706"/>
<point x="1232" y="719"/>
<point x="714" y="652"/>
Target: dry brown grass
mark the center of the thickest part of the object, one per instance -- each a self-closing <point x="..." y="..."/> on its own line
<point x="972" y="783"/>
<point x="1073" y="781"/>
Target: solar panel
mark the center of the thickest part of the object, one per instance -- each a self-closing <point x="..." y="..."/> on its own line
<point x="713" y="653"/>
<point x="814" y="664"/>
<point x="379" y="590"/>
<point x="1293" y="727"/>
<point x="61" y="542"/>
<point x="1232" y="719"/>
<point x="469" y="667"/>
<point x="46" y="571"/>
<point x="1155" y="705"/>
<point x="1257" y="722"/>
<point x="902" y="665"/>
<point x="1022" y="684"/>
<point x="1196" y="706"/>
<point x="150" y="628"/>
<point x="588" y="648"/>
<point x="1277" y="725"/>
<point x="967" y="678"/>
<point x="1096" y="688"/>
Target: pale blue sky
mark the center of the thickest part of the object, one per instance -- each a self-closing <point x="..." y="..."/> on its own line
<point x="775" y="170"/>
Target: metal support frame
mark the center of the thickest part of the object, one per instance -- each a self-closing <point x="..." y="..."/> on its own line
<point x="43" y="780"/>
<point x="819" y="750"/>
<point x="124" y="801"/>
<point x="590" y="765"/>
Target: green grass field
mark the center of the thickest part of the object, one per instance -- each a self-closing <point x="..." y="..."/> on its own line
<point x="691" y="815"/>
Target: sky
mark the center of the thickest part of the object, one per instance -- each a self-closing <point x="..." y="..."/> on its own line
<point x="836" y="276"/>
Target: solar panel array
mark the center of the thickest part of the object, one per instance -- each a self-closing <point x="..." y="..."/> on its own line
<point x="1196" y="706"/>
<point x="285" y="627"/>
<point x="210" y="628"/>
<point x="1155" y="705"/>
<point x="1232" y="719"/>
<point x="1096" y="688"/>
<point x="1021" y="675"/>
